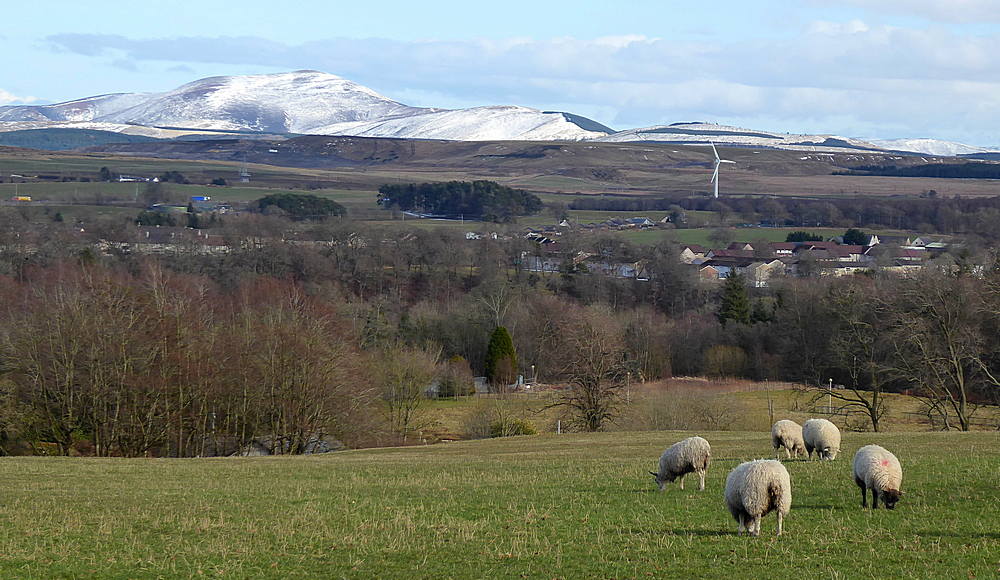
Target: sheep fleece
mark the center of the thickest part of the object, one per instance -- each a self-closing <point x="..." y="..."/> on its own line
<point x="787" y="434"/>
<point x="820" y="433"/>
<point x="878" y="468"/>
<point x="686" y="456"/>
<point x="756" y="488"/>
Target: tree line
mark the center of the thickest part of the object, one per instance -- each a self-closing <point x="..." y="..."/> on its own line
<point x="487" y="200"/>
<point x="931" y="213"/>
<point x="284" y="344"/>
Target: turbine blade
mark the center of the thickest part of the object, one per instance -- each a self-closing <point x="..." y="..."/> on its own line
<point x="715" y="175"/>
<point x="714" y="150"/>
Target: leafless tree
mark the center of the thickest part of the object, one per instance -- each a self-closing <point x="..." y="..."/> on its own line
<point x="861" y="347"/>
<point x="592" y="349"/>
<point x="940" y="343"/>
<point x="405" y="374"/>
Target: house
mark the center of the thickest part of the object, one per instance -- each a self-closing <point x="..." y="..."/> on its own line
<point x="538" y="237"/>
<point x="759" y="273"/>
<point x="744" y="246"/>
<point x="782" y="248"/>
<point x="708" y="273"/>
<point x="848" y="253"/>
<point x="691" y="252"/>
<point x="744" y="254"/>
<point x="910" y="256"/>
<point x="639" y="222"/>
<point x="728" y="266"/>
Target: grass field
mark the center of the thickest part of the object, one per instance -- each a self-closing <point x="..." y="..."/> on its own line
<point x="548" y="506"/>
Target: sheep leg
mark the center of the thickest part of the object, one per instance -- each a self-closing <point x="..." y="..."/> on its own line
<point x="874" y="499"/>
<point x="864" y="497"/>
<point x="682" y="482"/>
<point x="742" y="527"/>
<point x="755" y="526"/>
<point x="779" y="524"/>
<point x="788" y="454"/>
<point x="701" y="481"/>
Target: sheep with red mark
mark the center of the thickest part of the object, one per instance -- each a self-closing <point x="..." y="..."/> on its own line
<point x="878" y="470"/>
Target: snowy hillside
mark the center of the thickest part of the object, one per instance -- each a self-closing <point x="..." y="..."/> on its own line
<point x="736" y="136"/>
<point x="476" y="124"/>
<point x="930" y="147"/>
<point x="299" y="102"/>
<point x="312" y="102"/>
<point x="86" y="109"/>
<point x="296" y="102"/>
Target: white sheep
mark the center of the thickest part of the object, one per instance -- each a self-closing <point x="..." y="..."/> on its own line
<point x="755" y="489"/>
<point x="787" y="434"/>
<point x="823" y="436"/>
<point x="877" y="469"/>
<point x="693" y="454"/>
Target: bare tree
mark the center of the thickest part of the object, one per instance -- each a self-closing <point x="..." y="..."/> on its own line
<point x="860" y="347"/>
<point x="405" y="374"/>
<point x="940" y="344"/>
<point x="592" y="349"/>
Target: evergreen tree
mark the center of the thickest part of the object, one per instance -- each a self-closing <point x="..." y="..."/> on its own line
<point x="800" y="236"/>
<point x="855" y="237"/>
<point x="501" y="358"/>
<point x="735" y="303"/>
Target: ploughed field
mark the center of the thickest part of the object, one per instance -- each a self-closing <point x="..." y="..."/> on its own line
<point x="548" y="506"/>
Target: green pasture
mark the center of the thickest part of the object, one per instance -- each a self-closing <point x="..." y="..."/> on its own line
<point x="547" y="506"/>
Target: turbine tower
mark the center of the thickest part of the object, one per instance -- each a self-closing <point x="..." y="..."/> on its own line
<point x="715" y="174"/>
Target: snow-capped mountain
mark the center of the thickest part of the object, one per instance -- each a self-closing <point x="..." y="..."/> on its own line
<point x="312" y="102"/>
<point x="931" y="147"/>
<point x="86" y="109"/>
<point x="477" y="124"/>
<point x="296" y="102"/>
<point x="300" y="102"/>
<point x="685" y="133"/>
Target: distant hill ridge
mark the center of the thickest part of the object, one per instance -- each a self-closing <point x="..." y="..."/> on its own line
<point x="313" y="102"/>
<point x="304" y="102"/>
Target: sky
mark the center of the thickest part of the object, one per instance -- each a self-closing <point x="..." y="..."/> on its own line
<point x="858" y="68"/>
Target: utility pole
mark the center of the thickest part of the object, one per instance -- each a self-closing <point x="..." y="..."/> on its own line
<point x="770" y="404"/>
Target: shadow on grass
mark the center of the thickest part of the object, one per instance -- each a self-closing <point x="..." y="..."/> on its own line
<point x="812" y="506"/>
<point x="673" y="532"/>
<point x="940" y="534"/>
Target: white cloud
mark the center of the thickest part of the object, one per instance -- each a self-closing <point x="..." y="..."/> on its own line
<point x="837" y="28"/>
<point x="937" y="10"/>
<point x="7" y="98"/>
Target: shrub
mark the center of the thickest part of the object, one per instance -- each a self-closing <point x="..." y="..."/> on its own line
<point x="512" y="427"/>
<point x="690" y="410"/>
<point x="456" y="380"/>
<point x="723" y="360"/>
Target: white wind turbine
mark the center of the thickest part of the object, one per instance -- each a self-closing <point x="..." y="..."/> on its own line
<point x="715" y="174"/>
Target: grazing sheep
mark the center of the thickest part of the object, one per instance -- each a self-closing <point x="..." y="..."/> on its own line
<point x="693" y="454"/>
<point x="755" y="489"/>
<point x="877" y="469"/>
<point x="787" y="434"/>
<point x="823" y="436"/>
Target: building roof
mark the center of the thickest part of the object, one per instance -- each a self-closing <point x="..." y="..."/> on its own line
<point x="731" y="254"/>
